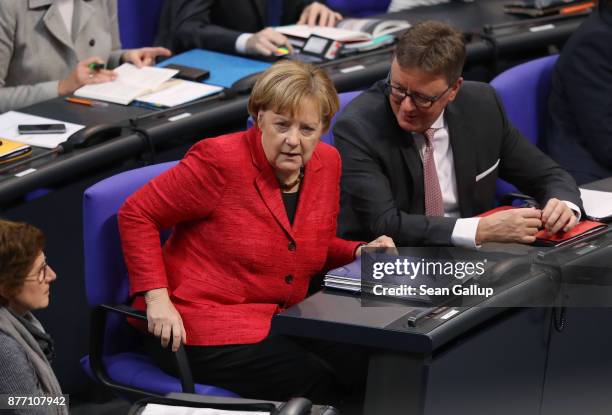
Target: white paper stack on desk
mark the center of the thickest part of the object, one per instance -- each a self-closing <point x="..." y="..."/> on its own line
<point x="148" y="84"/>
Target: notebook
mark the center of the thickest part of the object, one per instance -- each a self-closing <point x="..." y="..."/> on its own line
<point x="12" y="150"/>
<point x="131" y="83"/>
<point x="580" y="231"/>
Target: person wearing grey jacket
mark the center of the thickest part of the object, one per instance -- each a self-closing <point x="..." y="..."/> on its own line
<point x="27" y="350"/>
<point x="47" y="48"/>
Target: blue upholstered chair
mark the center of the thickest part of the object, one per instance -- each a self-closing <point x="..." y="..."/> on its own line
<point x="328" y="137"/>
<point x="359" y="8"/>
<point x="138" y="22"/>
<point x="115" y="357"/>
<point x="524" y="91"/>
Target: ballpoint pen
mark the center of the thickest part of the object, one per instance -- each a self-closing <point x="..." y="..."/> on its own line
<point x="87" y="102"/>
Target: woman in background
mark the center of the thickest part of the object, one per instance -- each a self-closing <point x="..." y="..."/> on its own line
<point x="27" y="350"/>
<point x="47" y="48"/>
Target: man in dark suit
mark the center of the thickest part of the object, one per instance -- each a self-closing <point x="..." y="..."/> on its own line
<point x="421" y="152"/>
<point x="580" y="134"/>
<point x="232" y="26"/>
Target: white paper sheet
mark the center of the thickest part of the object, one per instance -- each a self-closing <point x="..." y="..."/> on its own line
<point x="342" y="35"/>
<point x="10" y="120"/>
<point x="597" y="204"/>
<point x="180" y="92"/>
<point x="156" y="409"/>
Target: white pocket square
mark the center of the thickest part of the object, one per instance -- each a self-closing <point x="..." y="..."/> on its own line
<point x="487" y="171"/>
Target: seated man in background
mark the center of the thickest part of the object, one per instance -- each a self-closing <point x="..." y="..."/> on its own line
<point x="47" y="48"/>
<point x="580" y="133"/>
<point x="231" y="26"/>
<point x="423" y="148"/>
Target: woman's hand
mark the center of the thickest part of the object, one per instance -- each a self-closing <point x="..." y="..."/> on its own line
<point x="144" y="56"/>
<point x="381" y="242"/>
<point x="163" y="319"/>
<point x="84" y="75"/>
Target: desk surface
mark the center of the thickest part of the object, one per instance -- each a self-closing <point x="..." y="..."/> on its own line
<point x="340" y="316"/>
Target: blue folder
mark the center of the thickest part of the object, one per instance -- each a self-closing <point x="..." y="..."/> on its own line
<point x="224" y="69"/>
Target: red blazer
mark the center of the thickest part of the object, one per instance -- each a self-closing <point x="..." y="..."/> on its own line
<point x="233" y="260"/>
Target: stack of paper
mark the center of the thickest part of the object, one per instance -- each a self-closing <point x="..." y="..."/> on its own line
<point x="157" y="409"/>
<point x="346" y="278"/>
<point x="597" y="204"/>
<point x="341" y="35"/>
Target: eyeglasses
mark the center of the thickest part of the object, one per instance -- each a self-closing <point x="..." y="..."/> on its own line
<point x="421" y="101"/>
<point x="40" y="275"/>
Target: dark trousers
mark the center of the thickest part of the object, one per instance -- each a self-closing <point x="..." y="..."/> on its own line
<point x="277" y="368"/>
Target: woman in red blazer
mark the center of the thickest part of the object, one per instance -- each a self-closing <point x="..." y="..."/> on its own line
<point x="254" y="219"/>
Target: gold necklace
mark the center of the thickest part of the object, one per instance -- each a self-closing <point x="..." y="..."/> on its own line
<point x="289" y="186"/>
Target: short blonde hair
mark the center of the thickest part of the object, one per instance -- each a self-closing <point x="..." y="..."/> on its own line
<point x="284" y="86"/>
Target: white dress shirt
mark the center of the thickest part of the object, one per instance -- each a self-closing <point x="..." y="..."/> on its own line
<point x="464" y="232"/>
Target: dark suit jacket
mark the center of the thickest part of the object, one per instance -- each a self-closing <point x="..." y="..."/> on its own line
<point x="215" y="25"/>
<point x="580" y="134"/>
<point x="233" y="260"/>
<point x="382" y="173"/>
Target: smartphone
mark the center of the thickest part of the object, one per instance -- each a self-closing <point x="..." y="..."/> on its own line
<point x="190" y="73"/>
<point x="41" y="128"/>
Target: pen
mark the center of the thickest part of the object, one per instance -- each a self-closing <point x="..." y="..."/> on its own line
<point x="87" y="102"/>
<point x="94" y="66"/>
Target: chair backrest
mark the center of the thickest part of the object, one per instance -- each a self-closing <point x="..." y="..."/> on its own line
<point x="328" y="137"/>
<point x="345" y="98"/>
<point x="105" y="272"/>
<point x="359" y="7"/>
<point x="524" y="91"/>
<point x="138" y="22"/>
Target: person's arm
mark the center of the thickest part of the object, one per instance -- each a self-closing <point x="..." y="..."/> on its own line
<point x="14" y="97"/>
<point x="587" y="79"/>
<point x="189" y="191"/>
<point x="17" y="376"/>
<point x="186" y="24"/>
<point x="367" y="189"/>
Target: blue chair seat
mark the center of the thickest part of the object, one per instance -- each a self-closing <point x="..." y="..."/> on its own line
<point x="138" y="371"/>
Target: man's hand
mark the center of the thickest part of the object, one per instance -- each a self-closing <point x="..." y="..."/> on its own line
<point x="513" y="225"/>
<point x="317" y="14"/>
<point x="557" y="216"/>
<point x="144" y="56"/>
<point x="83" y="75"/>
<point x="163" y="319"/>
<point x="381" y="242"/>
<point x="266" y="41"/>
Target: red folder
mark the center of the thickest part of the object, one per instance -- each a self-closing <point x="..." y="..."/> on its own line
<point x="583" y="229"/>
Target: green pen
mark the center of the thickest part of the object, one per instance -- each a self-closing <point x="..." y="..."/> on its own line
<point x="94" y="66"/>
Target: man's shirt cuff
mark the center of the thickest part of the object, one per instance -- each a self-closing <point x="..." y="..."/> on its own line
<point x="241" y="42"/>
<point x="464" y="232"/>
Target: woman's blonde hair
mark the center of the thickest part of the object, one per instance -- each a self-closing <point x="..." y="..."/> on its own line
<point x="283" y="87"/>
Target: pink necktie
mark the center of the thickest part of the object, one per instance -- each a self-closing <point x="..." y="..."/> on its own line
<point x="434" y="205"/>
